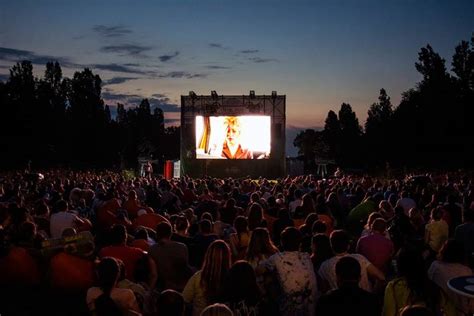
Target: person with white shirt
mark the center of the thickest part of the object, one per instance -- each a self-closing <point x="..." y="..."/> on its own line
<point x="297" y="201"/>
<point x="340" y="245"/>
<point x="63" y="219"/>
<point x="406" y="202"/>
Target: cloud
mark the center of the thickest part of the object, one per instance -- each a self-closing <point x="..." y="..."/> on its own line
<point x="120" y="68"/>
<point x="218" y="45"/>
<point x="126" y="49"/>
<point x="117" y="80"/>
<point x="165" y="58"/>
<point x="158" y="95"/>
<point x="249" y="51"/>
<point x="260" y="60"/>
<point x="170" y="121"/>
<point x="128" y="99"/>
<point x="131" y="100"/>
<point x="164" y="104"/>
<point x="112" y="31"/>
<point x="182" y="74"/>
<point x="14" y="55"/>
<point x="217" y="67"/>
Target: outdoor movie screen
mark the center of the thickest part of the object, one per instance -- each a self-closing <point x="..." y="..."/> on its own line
<point x="233" y="137"/>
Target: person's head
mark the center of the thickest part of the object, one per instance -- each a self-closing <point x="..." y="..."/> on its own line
<point x="141" y="233"/>
<point x="41" y="209"/>
<point x="385" y="205"/>
<point x="163" y="231"/>
<point x="217" y="310"/>
<point x="347" y="271"/>
<point x="132" y="195"/>
<point x="108" y="272"/>
<point x="379" y="226"/>
<point x="27" y="231"/>
<point x="170" y="302"/>
<point x="321" y="246"/>
<point x="298" y="194"/>
<point x="208" y="216"/>
<point x="437" y="213"/>
<point x="319" y="227"/>
<point x="241" y="224"/>
<point x="232" y="124"/>
<point x="181" y="224"/>
<point x="241" y="284"/>
<point x="372" y="217"/>
<point x="118" y="234"/>
<point x="215" y="266"/>
<point x="205" y="227"/>
<point x="291" y="239"/>
<point x="452" y="251"/>
<point x="340" y="241"/>
<point x="254" y="197"/>
<point x="61" y="206"/>
<point x="310" y="219"/>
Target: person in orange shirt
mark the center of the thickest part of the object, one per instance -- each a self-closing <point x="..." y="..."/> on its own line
<point x="147" y="218"/>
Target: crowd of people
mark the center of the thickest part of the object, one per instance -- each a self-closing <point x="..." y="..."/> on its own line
<point x="101" y="243"/>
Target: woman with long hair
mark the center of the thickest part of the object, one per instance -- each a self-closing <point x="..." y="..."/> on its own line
<point x="239" y="241"/>
<point x="107" y="298"/>
<point x="255" y="217"/>
<point x="205" y="286"/>
<point x="260" y="247"/>
<point x="241" y="292"/>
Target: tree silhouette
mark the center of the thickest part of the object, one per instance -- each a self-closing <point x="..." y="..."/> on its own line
<point x="332" y="134"/>
<point x="378" y="128"/>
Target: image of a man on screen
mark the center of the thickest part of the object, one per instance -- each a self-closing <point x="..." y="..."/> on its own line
<point x="232" y="148"/>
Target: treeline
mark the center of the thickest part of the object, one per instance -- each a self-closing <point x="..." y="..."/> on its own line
<point x="430" y="128"/>
<point x="57" y="121"/>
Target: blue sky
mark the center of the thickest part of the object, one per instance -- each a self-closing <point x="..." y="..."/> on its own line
<point x="318" y="53"/>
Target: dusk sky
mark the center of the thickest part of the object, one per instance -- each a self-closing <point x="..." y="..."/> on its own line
<point x="319" y="54"/>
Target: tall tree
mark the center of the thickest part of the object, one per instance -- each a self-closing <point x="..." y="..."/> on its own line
<point x="332" y="134"/>
<point x="306" y="142"/>
<point x="350" y="137"/>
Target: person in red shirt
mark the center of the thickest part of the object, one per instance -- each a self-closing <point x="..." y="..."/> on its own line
<point x="132" y="205"/>
<point x="141" y="239"/>
<point x="72" y="272"/>
<point x="147" y="218"/>
<point x="129" y="255"/>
